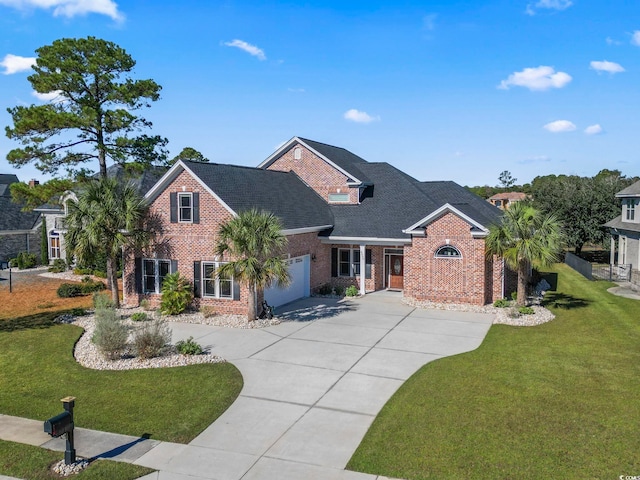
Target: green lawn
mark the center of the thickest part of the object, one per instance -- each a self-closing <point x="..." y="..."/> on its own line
<point x="33" y="463"/>
<point x="37" y="369"/>
<point x="559" y="400"/>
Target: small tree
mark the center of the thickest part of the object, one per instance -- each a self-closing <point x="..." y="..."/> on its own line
<point x="190" y="154"/>
<point x="254" y="242"/>
<point x="523" y="237"/>
<point x="44" y="243"/>
<point x="506" y="179"/>
<point x="177" y="294"/>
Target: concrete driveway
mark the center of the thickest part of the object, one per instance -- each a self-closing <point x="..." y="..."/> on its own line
<point x="312" y="386"/>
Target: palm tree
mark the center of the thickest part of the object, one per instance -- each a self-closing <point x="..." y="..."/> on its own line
<point x="525" y="236"/>
<point x="254" y="242"/>
<point x="106" y="217"/>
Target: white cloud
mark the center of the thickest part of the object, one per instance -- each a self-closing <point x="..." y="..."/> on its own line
<point x="247" y="47"/>
<point x="69" y="8"/>
<point x="605" y="66"/>
<point x="611" y="41"/>
<point x="429" y="21"/>
<point x="359" y="117"/>
<point x="536" y="159"/>
<point x="593" y="129"/>
<point x="548" y="5"/>
<point x="635" y="38"/>
<point x="560" y="126"/>
<point x="52" y="97"/>
<point x="15" y="64"/>
<point x="538" y="78"/>
<point x="296" y="90"/>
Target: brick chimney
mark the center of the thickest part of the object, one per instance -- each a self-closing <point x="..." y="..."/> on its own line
<point x="33" y="182"/>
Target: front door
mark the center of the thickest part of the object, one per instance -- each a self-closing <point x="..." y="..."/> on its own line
<point x="396" y="272"/>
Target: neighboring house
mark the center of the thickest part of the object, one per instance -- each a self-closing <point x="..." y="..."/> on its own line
<point x="626" y="230"/>
<point x="19" y="231"/>
<point x="506" y="199"/>
<point x="55" y="213"/>
<point x="348" y="222"/>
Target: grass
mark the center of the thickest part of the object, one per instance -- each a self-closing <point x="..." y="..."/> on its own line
<point x="34" y="463"/>
<point x="37" y="369"/>
<point x="559" y="400"/>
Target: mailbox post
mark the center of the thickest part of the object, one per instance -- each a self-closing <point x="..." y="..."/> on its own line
<point x="61" y="424"/>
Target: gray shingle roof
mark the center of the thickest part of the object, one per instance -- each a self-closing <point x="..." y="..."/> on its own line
<point x="632" y="190"/>
<point x="143" y="181"/>
<point x="396" y="201"/>
<point x="281" y="193"/>
<point x="618" y="224"/>
<point x="11" y="216"/>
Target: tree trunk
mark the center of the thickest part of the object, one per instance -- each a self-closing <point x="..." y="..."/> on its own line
<point x="112" y="281"/>
<point x="523" y="267"/>
<point x="251" y="311"/>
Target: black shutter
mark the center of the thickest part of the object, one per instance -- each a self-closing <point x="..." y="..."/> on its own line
<point x="197" y="273"/>
<point x="138" y="274"/>
<point x="367" y="263"/>
<point x="173" y="207"/>
<point x="334" y="262"/>
<point x="196" y="207"/>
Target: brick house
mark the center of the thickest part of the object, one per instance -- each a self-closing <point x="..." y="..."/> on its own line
<point x="348" y="222"/>
<point x="19" y="231"/>
<point x="505" y="199"/>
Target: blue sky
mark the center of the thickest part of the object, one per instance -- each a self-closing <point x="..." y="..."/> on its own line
<point x="448" y="90"/>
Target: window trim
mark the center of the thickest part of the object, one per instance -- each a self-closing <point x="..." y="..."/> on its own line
<point x="437" y="253"/>
<point x="354" y="267"/>
<point x="55" y="251"/>
<point x="156" y="274"/>
<point x="204" y="279"/>
<point x="630" y="208"/>
<point x="188" y="195"/>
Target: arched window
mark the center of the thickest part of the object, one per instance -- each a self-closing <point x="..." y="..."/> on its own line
<point x="447" y="251"/>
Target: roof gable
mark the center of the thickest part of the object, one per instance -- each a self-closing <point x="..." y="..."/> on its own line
<point x="631" y="191"/>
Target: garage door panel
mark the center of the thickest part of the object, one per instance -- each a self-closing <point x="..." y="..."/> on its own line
<point x="299" y="271"/>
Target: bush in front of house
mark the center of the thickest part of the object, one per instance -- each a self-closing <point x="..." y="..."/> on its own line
<point x="501" y="303"/>
<point x="151" y="339"/>
<point x="339" y="290"/>
<point x="58" y="266"/>
<point x="189" y="347"/>
<point x="526" y="311"/>
<point x="90" y="286"/>
<point x="139" y="317"/>
<point x="102" y="301"/>
<point x="24" y="260"/>
<point x="68" y="290"/>
<point x="177" y="294"/>
<point x="110" y="335"/>
<point x="351" y="291"/>
<point x="325" y="289"/>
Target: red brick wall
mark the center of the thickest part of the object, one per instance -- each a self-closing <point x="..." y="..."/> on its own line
<point x="316" y="173"/>
<point x="448" y="280"/>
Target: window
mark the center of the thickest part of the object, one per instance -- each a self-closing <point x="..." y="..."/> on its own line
<point x="448" y="251"/>
<point x="631" y="209"/>
<point x="338" y="197"/>
<point x="54" y="245"/>
<point x="297" y="153"/>
<point x="185" y="207"/>
<point x="215" y="286"/>
<point x="153" y="273"/>
<point x="348" y="262"/>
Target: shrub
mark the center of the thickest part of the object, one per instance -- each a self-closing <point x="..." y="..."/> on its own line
<point x="26" y="260"/>
<point x="144" y="303"/>
<point x="68" y="290"/>
<point x="82" y="271"/>
<point x="58" y="266"/>
<point x="102" y="301"/>
<point x="514" y="296"/>
<point x="351" y="291"/>
<point x="110" y="335"/>
<point x="325" y="289"/>
<point x="207" y="311"/>
<point x="13" y="262"/>
<point x="78" y="312"/>
<point x="139" y="317"/>
<point x="150" y="340"/>
<point x="177" y="294"/>
<point x="339" y="290"/>
<point x="189" y="347"/>
<point x="501" y="303"/>
<point x="526" y="310"/>
<point x="91" y="286"/>
<point x="100" y="273"/>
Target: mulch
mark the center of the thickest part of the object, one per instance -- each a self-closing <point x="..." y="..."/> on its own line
<point x="33" y="294"/>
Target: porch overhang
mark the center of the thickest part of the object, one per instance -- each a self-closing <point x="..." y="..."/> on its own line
<point x="365" y="241"/>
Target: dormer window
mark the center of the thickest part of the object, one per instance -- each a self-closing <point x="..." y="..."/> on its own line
<point x="297" y="153"/>
<point x="631" y="209"/>
<point x="338" y="197"/>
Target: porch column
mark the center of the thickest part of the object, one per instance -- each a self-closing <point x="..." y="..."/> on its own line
<point x="363" y="272"/>
<point x="612" y="253"/>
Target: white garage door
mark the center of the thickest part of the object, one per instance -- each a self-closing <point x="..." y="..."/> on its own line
<point x="299" y="270"/>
